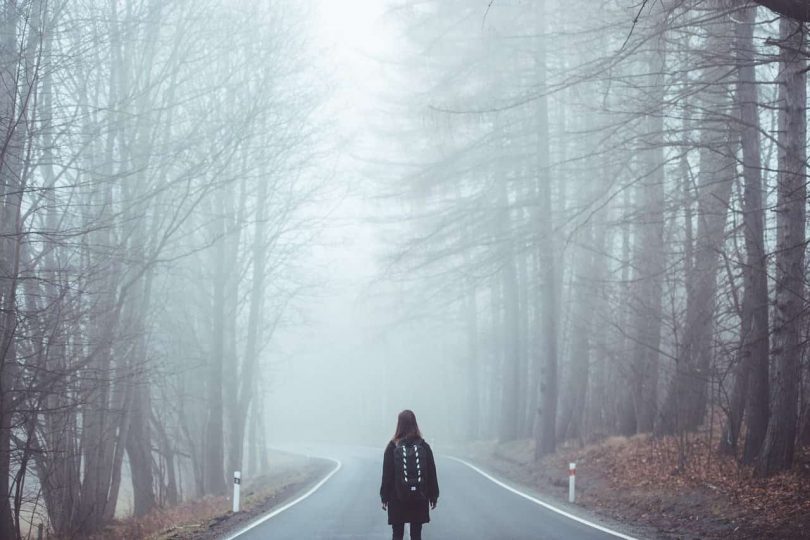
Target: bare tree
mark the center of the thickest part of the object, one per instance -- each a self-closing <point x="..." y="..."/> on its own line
<point x="779" y="444"/>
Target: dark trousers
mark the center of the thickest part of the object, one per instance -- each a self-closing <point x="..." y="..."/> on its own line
<point x="399" y="531"/>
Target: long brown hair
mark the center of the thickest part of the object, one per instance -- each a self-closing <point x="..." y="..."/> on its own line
<point x="407" y="428"/>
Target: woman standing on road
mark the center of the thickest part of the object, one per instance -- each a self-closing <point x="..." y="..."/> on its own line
<point x="409" y="480"/>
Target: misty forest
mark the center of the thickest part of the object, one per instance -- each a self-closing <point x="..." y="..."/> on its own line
<point x="228" y="226"/>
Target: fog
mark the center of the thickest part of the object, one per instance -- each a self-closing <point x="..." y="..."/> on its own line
<point x="365" y="351"/>
<point x="232" y="226"/>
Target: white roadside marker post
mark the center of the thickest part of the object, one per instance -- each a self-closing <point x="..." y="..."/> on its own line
<point x="572" y="479"/>
<point x="237" y="480"/>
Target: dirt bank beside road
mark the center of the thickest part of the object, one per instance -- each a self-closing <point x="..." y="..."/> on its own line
<point x="637" y="481"/>
<point x="211" y="517"/>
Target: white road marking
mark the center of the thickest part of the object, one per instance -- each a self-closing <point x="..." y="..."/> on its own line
<point x="541" y="503"/>
<point x="290" y="504"/>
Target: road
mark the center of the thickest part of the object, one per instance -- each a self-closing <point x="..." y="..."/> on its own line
<point x="471" y="507"/>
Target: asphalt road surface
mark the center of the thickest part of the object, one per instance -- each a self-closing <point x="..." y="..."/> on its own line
<point x="471" y="507"/>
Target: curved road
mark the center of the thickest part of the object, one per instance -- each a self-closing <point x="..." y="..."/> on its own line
<point x="471" y="507"/>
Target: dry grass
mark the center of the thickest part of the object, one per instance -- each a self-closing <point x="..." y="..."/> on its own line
<point x="202" y="518"/>
<point x="190" y="514"/>
<point x="645" y="480"/>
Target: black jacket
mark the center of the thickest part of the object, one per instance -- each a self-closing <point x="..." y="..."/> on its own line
<point x="408" y="512"/>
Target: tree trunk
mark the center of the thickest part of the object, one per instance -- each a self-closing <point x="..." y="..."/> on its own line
<point x="796" y="9"/>
<point x="524" y="419"/>
<point x="139" y="437"/>
<point x="778" y="448"/>
<point x="573" y="402"/>
<point x="473" y="392"/>
<point x="7" y="361"/>
<point x="496" y="355"/>
<point x="546" y="420"/>
<point x="595" y="418"/>
<point x="167" y="449"/>
<point x="7" y="529"/>
<point x="750" y="391"/>
<point x="649" y="258"/>
<point x="14" y="132"/>
<point x="214" y="447"/>
<point x="625" y="412"/>
<point x="235" y="429"/>
<point x="254" y="328"/>
<point x="510" y="368"/>
<point x="686" y="399"/>
<point x="139" y="448"/>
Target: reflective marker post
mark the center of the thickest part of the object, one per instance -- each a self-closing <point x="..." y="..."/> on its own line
<point x="237" y="480"/>
<point x="572" y="479"/>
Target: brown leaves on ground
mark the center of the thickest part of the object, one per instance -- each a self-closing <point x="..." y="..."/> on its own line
<point x="681" y="487"/>
<point x="188" y="515"/>
<point x="688" y="480"/>
<point x="211" y="517"/>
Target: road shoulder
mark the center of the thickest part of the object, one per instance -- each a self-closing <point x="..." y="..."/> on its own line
<point x="635" y="481"/>
<point x="549" y="488"/>
<point x="291" y="476"/>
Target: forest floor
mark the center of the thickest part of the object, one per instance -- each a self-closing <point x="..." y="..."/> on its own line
<point x="637" y="481"/>
<point x="210" y="517"/>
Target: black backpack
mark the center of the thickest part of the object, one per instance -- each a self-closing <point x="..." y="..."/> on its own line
<point x="409" y="468"/>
